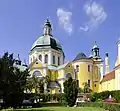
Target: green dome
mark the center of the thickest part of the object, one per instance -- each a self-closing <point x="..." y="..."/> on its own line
<point x="80" y="56"/>
<point x="45" y="41"/>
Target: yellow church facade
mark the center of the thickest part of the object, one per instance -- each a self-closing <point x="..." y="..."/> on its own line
<point x="46" y="58"/>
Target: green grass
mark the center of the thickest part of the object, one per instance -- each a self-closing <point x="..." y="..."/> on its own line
<point x="60" y="109"/>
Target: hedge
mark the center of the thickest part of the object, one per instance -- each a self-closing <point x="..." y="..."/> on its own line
<point x="44" y="97"/>
<point x="104" y="105"/>
<point x="105" y="94"/>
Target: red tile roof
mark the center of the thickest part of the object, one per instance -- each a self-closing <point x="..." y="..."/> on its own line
<point x="108" y="76"/>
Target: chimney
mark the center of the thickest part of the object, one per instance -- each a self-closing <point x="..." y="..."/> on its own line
<point x="107" y="70"/>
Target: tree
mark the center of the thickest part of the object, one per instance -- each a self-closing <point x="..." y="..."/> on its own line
<point x="70" y="91"/>
<point x="86" y="88"/>
<point x="80" y="90"/>
<point x="12" y="81"/>
<point x="37" y="84"/>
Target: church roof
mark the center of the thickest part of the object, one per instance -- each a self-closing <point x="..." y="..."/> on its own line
<point x="80" y="56"/>
<point x="108" y="76"/>
<point x="62" y="66"/>
<point x="52" y="67"/>
<point x="47" y="40"/>
<point x="57" y="67"/>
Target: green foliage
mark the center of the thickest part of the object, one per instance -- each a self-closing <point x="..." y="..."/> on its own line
<point x="12" y="81"/>
<point x="80" y="90"/>
<point x="70" y="91"/>
<point x="86" y="88"/>
<point x="45" y="97"/>
<point x="106" y="106"/>
<point x="104" y="95"/>
<point x="37" y="84"/>
<point x="94" y="97"/>
<point x="116" y="95"/>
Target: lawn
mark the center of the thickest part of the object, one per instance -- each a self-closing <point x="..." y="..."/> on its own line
<point x="61" y="109"/>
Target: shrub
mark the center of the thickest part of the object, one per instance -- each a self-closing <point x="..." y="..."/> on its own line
<point x="70" y="91"/>
<point x="62" y="100"/>
<point x="104" y="95"/>
<point x="106" y="106"/>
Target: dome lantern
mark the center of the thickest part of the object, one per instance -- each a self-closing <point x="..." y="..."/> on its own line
<point x="47" y="28"/>
<point x="95" y="50"/>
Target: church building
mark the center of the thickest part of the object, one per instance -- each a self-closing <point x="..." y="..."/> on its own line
<point x="47" y="57"/>
<point x="111" y="80"/>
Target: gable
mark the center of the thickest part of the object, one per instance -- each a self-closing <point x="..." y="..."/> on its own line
<point x="35" y="64"/>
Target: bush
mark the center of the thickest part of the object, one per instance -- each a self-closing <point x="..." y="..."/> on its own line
<point x="70" y="91"/>
<point x="62" y="100"/>
<point x="44" y="97"/>
<point x="104" y="95"/>
<point x="106" y="106"/>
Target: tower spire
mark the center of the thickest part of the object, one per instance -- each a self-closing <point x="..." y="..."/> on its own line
<point x="107" y="70"/>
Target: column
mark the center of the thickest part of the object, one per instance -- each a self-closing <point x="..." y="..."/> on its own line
<point x="50" y="58"/>
<point x="61" y="60"/>
<point x="101" y="71"/>
<point x="56" y="59"/>
<point x="62" y="81"/>
<point x="30" y="60"/>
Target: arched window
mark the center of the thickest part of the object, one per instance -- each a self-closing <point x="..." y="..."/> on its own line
<point x="68" y="75"/>
<point x="37" y="74"/>
<point x="40" y="57"/>
<point x="58" y="60"/>
<point x="46" y="58"/>
<point x="53" y="59"/>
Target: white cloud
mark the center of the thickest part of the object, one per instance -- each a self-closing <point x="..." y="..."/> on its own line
<point x="96" y="15"/>
<point x="64" y="18"/>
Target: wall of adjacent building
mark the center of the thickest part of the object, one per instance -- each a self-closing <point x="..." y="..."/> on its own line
<point x="107" y="85"/>
<point x="117" y="79"/>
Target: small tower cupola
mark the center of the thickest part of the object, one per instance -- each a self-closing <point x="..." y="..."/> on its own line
<point x="24" y="64"/>
<point x="17" y="60"/>
<point x="47" y="28"/>
<point x="95" y="51"/>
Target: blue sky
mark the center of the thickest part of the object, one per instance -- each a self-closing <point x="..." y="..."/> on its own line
<point x="76" y="24"/>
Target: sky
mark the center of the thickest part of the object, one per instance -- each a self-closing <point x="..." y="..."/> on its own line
<point x="77" y="24"/>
